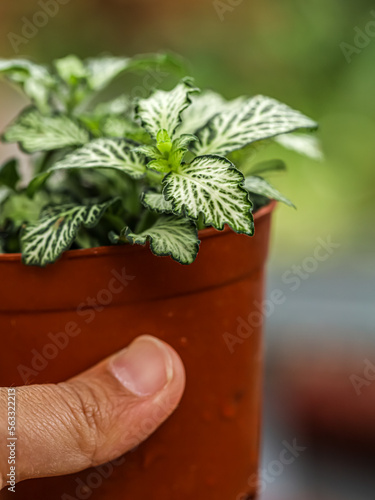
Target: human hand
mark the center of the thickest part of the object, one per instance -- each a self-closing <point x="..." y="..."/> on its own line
<point x="94" y="417"/>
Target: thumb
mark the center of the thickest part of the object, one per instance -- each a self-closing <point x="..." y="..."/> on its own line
<point x="94" y="417"/>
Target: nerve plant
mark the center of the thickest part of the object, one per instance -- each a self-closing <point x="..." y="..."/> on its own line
<point x="134" y="170"/>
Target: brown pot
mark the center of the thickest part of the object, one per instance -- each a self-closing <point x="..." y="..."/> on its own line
<point x="209" y="448"/>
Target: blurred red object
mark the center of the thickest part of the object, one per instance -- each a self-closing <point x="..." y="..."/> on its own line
<point x="327" y="390"/>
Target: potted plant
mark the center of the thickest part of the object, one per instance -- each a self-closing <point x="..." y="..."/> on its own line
<point x="156" y="198"/>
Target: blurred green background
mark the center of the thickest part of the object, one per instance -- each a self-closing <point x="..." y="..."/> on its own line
<point x="291" y="50"/>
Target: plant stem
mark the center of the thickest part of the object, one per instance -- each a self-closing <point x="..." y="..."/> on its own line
<point x="147" y="219"/>
<point x="154" y="177"/>
<point x="44" y="161"/>
<point x="115" y="221"/>
<point x="200" y="222"/>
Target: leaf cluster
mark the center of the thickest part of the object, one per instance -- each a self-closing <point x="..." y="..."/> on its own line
<point x="135" y="170"/>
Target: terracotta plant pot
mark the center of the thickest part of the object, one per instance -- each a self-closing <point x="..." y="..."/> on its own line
<point x="51" y="330"/>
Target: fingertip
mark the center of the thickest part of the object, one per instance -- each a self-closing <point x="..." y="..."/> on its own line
<point x="177" y="383"/>
<point x="176" y="373"/>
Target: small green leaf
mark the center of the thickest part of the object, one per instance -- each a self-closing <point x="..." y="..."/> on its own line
<point x="156" y="202"/>
<point x="247" y="121"/>
<point x="179" y="150"/>
<point x="149" y="151"/>
<point x="304" y="144"/>
<point x="162" y="136"/>
<point x="19" y="208"/>
<point x="260" y="186"/>
<point x="184" y="141"/>
<point x="44" y="241"/>
<point x="169" y="236"/>
<point x="34" y="79"/>
<point x="105" y="153"/>
<point x="163" y="141"/>
<point x="9" y="175"/>
<point x="36" y="183"/>
<point x="176" y="157"/>
<point x="117" y="106"/>
<point x="37" y="132"/>
<point x="70" y="69"/>
<point x="162" y="111"/>
<point x="212" y="186"/>
<point x="160" y="165"/>
<point x="119" y="126"/>
<point x="108" y="118"/>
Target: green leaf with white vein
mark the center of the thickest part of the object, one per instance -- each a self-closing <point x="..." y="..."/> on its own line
<point x="204" y="107"/>
<point x="117" y="106"/>
<point x="170" y="236"/>
<point x="34" y="79"/>
<point x="162" y="111"/>
<point x="156" y="202"/>
<point x="183" y="141"/>
<point x="303" y="144"/>
<point x="44" y="241"/>
<point x="70" y="69"/>
<point x="161" y="165"/>
<point x="117" y="154"/>
<point x="37" y="132"/>
<point x="212" y="186"/>
<point x="247" y="121"/>
<point x="149" y="151"/>
<point x="257" y="185"/>
<point x="119" y="126"/>
<point x="19" y="70"/>
<point x="101" y="71"/>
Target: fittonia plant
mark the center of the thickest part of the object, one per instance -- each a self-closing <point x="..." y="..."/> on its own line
<point x="134" y="170"/>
